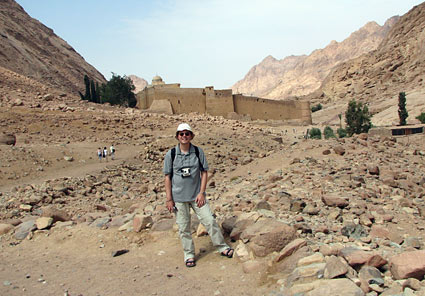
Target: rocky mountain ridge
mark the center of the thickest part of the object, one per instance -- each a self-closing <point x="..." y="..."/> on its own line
<point x="377" y="77"/>
<point x="138" y="82"/>
<point x="301" y="75"/>
<point x="33" y="50"/>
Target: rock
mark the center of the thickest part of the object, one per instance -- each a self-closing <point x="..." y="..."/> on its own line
<point x="353" y="230"/>
<point x="335" y="267"/>
<point x="336" y="287"/>
<point x="334" y="201"/>
<point x="68" y="158"/>
<point x="413" y="284"/>
<point x="383" y="232"/>
<point x="370" y="275"/>
<point x="373" y="170"/>
<point x="101" y="222"/>
<point x="356" y="257"/>
<point x="290" y="248"/>
<point x="141" y="222"/>
<point x="263" y="205"/>
<point x="7" y="139"/>
<point x="26" y="208"/>
<point x="267" y="236"/>
<point x="312" y="259"/>
<point x="339" y="150"/>
<point x="5" y="228"/>
<point x="408" y="265"/>
<point x="56" y="214"/>
<point x="228" y="224"/>
<point x="24" y="229"/>
<point x="297" y="205"/>
<point x="43" y="222"/>
<point x="242" y="252"/>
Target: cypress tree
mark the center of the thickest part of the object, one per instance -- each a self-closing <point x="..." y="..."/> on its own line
<point x="87" y="83"/>
<point x="402" y="111"/>
<point x="93" y="96"/>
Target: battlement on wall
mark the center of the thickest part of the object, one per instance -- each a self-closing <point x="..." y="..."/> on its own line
<point x="223" y="102"/>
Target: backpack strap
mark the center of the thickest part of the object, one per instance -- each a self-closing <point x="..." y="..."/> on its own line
<point x="201" y="167"/>
<point x="173" y="155"/>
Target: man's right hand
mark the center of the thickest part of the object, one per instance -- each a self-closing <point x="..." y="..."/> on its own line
<point x="170" y="205"/>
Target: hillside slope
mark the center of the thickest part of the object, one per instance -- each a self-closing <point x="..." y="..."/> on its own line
<point x="31" y="49"/>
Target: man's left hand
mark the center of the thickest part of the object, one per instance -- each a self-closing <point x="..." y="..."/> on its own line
<point x="200" y="200"/>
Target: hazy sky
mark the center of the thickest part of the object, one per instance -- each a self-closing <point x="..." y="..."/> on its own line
<point x="203" y="42"/>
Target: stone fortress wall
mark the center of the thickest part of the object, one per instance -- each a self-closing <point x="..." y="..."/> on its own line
<point x="222" y="103"/>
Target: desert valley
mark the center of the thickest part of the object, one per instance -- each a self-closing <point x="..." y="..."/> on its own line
<point x="338" y="216"/>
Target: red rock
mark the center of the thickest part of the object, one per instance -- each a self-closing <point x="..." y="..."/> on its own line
<point x="290" y="249"/>
<point x="339" y="150"/>
<point x="141" y="222"/>
<point x="356" y="257"/>
<point x="334" y="201"/>
<point x="408" y="265"/>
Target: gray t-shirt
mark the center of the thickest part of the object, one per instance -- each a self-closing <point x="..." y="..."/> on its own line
<point x="185" y="188"/>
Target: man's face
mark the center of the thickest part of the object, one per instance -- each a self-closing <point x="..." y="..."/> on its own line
<point x="184" y="137"/>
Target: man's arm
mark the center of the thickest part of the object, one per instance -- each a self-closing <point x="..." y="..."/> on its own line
<point x="200" y="198"/>
<point x="169" y="194"/>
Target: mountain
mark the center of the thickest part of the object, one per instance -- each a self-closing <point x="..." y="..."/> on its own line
<point x="301" y="75"/>
<point x="31" y="49"/>
<point x="376" y="78"/>
<point x="138" y="82"/>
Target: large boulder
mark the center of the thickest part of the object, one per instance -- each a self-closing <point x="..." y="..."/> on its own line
<point x="337" y="287"/>
<point x="267" y="236"/>
<point x="408" y="265"/>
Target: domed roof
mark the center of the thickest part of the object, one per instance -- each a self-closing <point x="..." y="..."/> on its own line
<point x="156" y="78"/>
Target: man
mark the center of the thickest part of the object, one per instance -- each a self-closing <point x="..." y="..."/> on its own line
<point x="185" y="169"/>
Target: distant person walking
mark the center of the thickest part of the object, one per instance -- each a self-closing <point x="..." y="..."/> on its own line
<point x="105" y="154"/>
<point x="185" y="170"/>
<point x="99" y="154"/>
<point x="112" y="151"/>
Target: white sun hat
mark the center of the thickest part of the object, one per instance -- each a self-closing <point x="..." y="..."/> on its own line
<point x="184" y="126"/>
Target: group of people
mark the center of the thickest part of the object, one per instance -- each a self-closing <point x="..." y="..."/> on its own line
<point x="186" y="174"/>
<point x="104" y="153"/>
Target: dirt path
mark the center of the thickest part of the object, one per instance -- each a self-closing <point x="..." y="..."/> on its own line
<point x="59" y="263"/>
<point x="85" y="163"/>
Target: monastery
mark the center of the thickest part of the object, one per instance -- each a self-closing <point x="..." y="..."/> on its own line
<point x="173" y="99"/>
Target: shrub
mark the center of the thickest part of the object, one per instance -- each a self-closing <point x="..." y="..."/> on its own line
<point x="315" y="133"/>
<point x="316" y="108"/>
<point x="357" y="118"/>
<point x="342" y="133"/>
<point x="421" y="117"/>
<point x="328" y="132"/>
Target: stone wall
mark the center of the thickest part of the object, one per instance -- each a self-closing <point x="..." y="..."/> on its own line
<point x="258" y="108"/>
<point x="219" y="102"/>
<point x="222" y="103"/>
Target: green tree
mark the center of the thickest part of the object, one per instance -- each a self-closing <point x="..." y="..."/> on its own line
<point x="315" y="133"/>
<point x="421" y="117"/>
<point x="93" y="92"/>
<point x="402" y="111"/>
<point x="87" y="84"/>
<point x="316" y="108"/>
<point x="357" y="118"/>
<point x="118" y="91"/>
<point x="328" y="132"/>
<point x="342" y="133"/>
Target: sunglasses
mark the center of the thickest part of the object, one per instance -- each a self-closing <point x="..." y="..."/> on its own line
<point x="185" y="134"/>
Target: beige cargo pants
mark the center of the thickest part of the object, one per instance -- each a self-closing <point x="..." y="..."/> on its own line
<point x="207" y="219"/>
